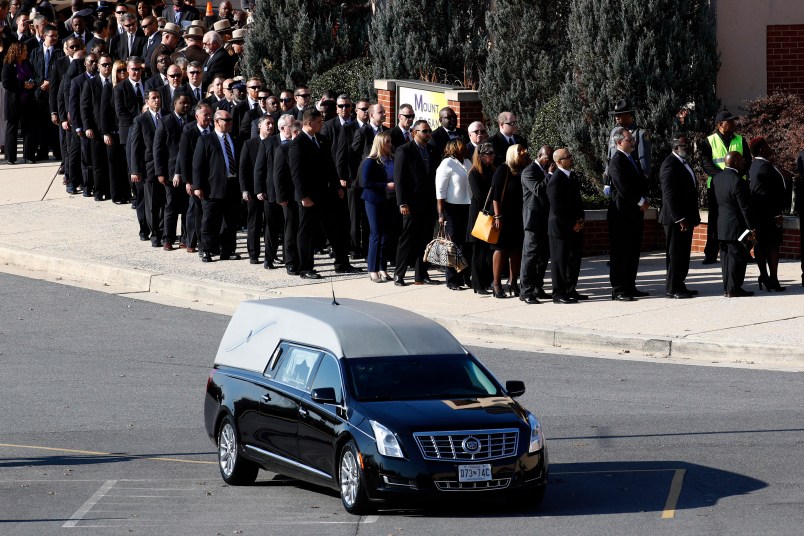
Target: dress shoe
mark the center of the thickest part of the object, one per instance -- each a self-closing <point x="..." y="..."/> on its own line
<point x="453" y="286"/>
<point x="580" y="297"/>
<point x="739" y="293"/>
<point x="691" y="292"/>
<point x="99" y="198"/>
<point x="499" y="293"/>
<point x="540" y="293"/>
<point x="11" y="162"/>
<point x="206" y="256"/>
<point x="28" y="161"/>
<point x="709" y="261"/>
<point x="182" y="245"/>
<point x="622" y="297"/>
<point x="427" y="281"/>
<point x="386" y="277"/>
<point x="482" y="291"/>
<point x="144" y="237"/>
<point x="71" y="190"/>
<point x="231" y="257"/>
<point x="254" y="261"/>
<point x="156" y="244"/>
<point x="312" y="274"/>
<point x="638" y="293"/>
<point x="400" y="282"/>
<point x="191" y="250"/>
<point x="118" y="202"/>
<point x="291" y="270"/>
<point x="168" y="246"/>
<point x="564" y="299"/>
<point x="268" y="265"/>
<point x="530" y="300"/>
<point x="349" y="269"/>
<point x="61" y="170"/>
<point x="678" y="295"/>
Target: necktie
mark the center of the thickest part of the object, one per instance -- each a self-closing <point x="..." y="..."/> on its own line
<point x="181" y="121"/>
<point x="511" y="141"/>
<point x="130" y="45"/>
<point x="156" y="120"/>
<point x="407" y="135"/>
<point x="47" y="62"/>
<point x="633" y="162"/>
<point x="204" y="132"/>
<point x="138" y="92"/>
<point x="229" y="154"/>
<point x="315" y="140"/>
<point x="256" y="105"/>
<point x="197" y="94"/>
<point x="425" y="156"/>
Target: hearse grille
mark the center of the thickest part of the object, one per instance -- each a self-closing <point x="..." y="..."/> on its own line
<point x="475" y="445"/>
<point x="452" y="485"/>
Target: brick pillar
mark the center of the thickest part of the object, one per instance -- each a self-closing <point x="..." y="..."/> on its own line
<point x="386" y="95"/>
<point x="467" y="106"/>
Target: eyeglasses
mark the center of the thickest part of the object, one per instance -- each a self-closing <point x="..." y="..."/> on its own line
<point x="287" y="99"/>
<point x="408" y="116"/>
<point x="304" y="95"/>
<point x="121" y="12"/>
<point x="510" y="123"/>
<point x="568" y="157"/>
<point x="262" y="98"/>
<point x="256" y="88"/>
<point x="193" y="72"/>
<point x="105" y="64"/>
<point x="344" y="106"/>
<point x="428" y="131"/>
<point x="362" y="109"/>
<point x="174" y="75"/>
<point x="479" y="131"/>
<point x="129" y="25"/>
<point x="75" y="47"/>
<point x="228" y="88"/>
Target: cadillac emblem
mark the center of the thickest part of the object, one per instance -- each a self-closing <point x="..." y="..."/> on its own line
<point x="471" y="445"/>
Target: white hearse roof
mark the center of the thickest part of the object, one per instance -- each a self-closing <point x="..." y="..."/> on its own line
<point x="352" y="328"/>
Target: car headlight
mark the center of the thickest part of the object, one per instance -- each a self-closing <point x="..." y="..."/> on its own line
<point x="387" y="443"/>
<point x="536" y="437"/>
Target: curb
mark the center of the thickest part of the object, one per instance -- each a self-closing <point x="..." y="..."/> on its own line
<point x="213" y="292"/>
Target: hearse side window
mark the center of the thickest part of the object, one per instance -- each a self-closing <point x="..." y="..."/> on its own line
<point x="329" y="375"/>
<point x="296" y="366"/>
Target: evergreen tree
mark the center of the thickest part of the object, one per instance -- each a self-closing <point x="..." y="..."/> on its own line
<point x="438" y="41"/>
<point x="659" y="54"/>
<point x="293" y="40"/>
<point x="526" y="53"/>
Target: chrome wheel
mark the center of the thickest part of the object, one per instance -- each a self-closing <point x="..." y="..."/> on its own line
<point x="227" y="449"/>
<point x="350" y="478"/>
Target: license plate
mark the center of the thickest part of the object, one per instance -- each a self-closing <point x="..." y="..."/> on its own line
<point x="474" y="473"/>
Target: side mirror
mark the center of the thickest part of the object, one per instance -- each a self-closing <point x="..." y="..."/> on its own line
<point x="515" y="388"/>
<point x="326" y="395"/>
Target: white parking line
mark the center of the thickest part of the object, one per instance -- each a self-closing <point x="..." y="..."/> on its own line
<point x="87" y="506"/>
<point x="370" y="519"/>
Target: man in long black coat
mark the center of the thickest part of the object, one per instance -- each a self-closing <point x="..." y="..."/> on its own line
<point x="142" y="170"/>
<point x="167" y="142"/>
<point x="679" y="215"/>
<point x="564" y="225"/>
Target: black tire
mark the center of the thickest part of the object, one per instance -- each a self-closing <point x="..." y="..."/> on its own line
<point x="235" y="469"/>
<point x="352" y="482"/>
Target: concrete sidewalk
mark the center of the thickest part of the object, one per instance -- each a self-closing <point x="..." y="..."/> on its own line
<point x="84" y="242"/>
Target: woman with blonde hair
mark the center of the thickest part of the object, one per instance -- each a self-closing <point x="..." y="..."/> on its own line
<point x="377" y="179"/>
<point x="506" y="198"/>
<point x="119" y="185"/>
<point x="453" y="197"/>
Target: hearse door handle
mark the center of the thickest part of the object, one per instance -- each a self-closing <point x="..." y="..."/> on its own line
<point x="302" y="412"/>
<point x="266" y="397"/>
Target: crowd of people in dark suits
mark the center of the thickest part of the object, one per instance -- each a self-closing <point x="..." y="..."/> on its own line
<point x="146" y="108"/>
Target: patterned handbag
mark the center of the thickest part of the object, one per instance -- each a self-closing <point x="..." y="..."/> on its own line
<point x="442" y="251"/>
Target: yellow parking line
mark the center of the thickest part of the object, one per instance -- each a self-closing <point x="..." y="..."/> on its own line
<point x="672" y="497"/>
<point x="106" y="454"/>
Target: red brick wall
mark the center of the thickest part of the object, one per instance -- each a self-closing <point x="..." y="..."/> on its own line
<point x="785" y="58"/>
<point x="789" y="249"/>
<point x="468" y="112"/>
<point x="388" y="100"/>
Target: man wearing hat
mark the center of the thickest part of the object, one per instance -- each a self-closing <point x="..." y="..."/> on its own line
<point x="235" y="47"/>
<point x="713" y="159"/>
<point x="224" y="29"/>
<point x="624" y="117"/>
<point x="193" y="51"/>
<point x="171" y="34"/>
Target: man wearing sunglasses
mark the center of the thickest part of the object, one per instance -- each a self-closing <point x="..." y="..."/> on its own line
<point x="402" y="133"/>
<point x="447" y="131"/>
<point x="302" y="96"/>
<point x="48" y="134"/>
<point x="91" y="110"/>
<point x="414" y="181"/>
<point x="477" y="135"/>
<point x="506" y="136"/>
<point x="129" y="43"/>
<point x="240" y="113"/>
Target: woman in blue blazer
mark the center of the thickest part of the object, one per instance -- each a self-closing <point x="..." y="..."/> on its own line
<point x="377" y="179"/>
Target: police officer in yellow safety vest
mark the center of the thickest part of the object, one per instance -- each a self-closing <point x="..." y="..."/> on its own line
<point x="713" y="158"/>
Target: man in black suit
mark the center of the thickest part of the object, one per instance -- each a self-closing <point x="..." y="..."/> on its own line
<point x="447" y="131"/>
<point x="142" y="170"/>
<point x="50" y="51"/>
<point x="153" y="37"/>
<point x="254" y="115"/>
<point x="256" y="171"/>
<point x="733" y="198"/>
<point x="414" y="181"/>
<point x="626" y="216"/>
<point x="477" y="134"/>
<point x="333" y="130"/>
<point x="535" y="210"/>
<point x="564" y="225"/>
<point x="215" y="183"/>
<point x="285" y="192"/>
<point x="160" y="77"/>
<point x="402" y="133"/>
<point x="241" y="111"/>
<point x="219" y="61"/>
<point x="193" y="88"/>
<point x="302" y="97"/>
<point x="506" y="136"/>
<point x="80" y="140"/>
<point x="679" y="215"/>
<point x="317" y="191"/>
<point x="286" y="103"/>
<point x="91" y="107"/>
<point x="73" y="172"/>
<point x="347" y="161"/>
<point x="364" y="137"/>
<point x="228" y="101"/>
<point x="129" y="98"/>
<point x="128" y="44"/>
<point x="167" y="141"/>
<point x="167" y="91"/>
<point x="189" y="139"/>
